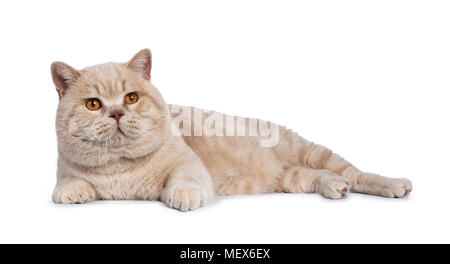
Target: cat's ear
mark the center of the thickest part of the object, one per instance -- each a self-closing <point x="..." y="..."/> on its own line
<point x="142" y="63"/>
<point x="63" y="76"/>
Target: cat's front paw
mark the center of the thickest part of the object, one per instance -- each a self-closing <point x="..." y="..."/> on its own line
<point x="396" y="188"/>
<point x="73" y="193"/>
<point x="185" y="198"/>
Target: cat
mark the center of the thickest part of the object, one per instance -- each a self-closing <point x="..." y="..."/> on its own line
<point x="118" y="139"/>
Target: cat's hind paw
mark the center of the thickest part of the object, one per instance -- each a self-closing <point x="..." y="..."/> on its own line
<point x="335" y="187"/>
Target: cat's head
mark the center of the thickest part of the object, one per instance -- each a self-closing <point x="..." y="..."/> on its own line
<point x="109" y="111"/>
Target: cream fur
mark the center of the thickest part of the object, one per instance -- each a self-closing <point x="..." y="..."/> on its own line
<point x="145" y="160"/>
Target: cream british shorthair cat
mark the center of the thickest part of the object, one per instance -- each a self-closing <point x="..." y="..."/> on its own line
<point x="119" y="140"/>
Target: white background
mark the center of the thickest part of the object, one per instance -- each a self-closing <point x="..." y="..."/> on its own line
<point x="368" y="79"/>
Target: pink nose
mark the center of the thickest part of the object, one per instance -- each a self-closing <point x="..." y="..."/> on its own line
<point x="116" y="114"/>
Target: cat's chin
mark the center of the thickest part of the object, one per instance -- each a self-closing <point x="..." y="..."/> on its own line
<point x="121" y="139"/>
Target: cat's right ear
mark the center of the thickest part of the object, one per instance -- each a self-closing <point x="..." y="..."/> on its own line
<point x="63" y="76"/>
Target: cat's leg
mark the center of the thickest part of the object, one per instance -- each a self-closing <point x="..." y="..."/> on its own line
<point x="188" y="187"/>
<point x="73" y="190"/>
<point x="306" y="180"/>
<point x="361" y="182"/>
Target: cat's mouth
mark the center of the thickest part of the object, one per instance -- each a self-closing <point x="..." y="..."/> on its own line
<point x="111" y="135"/>
<point x="120" y="131"/>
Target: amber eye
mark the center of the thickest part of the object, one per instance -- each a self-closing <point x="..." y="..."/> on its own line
<point x="131" y="98"/>
<point x="93" y="104"/>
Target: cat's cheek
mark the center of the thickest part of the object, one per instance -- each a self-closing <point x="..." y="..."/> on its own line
<point x="75" y="129"/>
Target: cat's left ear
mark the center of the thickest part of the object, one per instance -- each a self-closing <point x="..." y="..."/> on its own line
<point x="63" y="76"/>
<point x="142" y="63"/>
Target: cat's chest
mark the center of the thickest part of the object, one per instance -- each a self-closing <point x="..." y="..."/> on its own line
<point x="143" y="183"/>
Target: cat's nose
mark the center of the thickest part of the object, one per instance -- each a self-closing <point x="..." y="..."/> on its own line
<point x="116" y="114"/>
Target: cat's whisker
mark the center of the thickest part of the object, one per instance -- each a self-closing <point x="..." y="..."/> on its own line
<point x="89" y="145"/>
